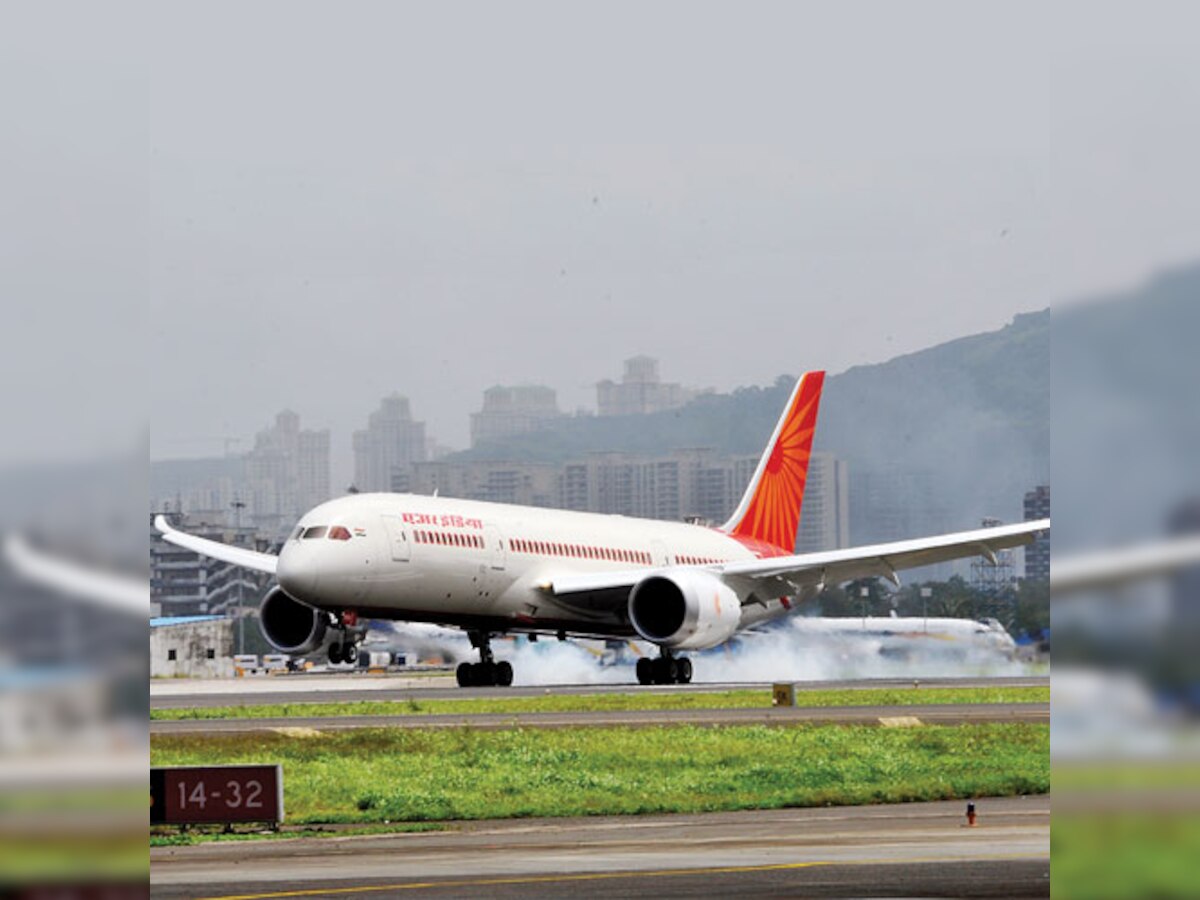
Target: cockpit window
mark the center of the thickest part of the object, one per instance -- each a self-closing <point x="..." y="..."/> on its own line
<point x="339" y="533"/>
<point x="296" y="534"/>
<point x="317" y="531"/>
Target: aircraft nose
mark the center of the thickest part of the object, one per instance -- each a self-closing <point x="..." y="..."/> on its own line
<point x="297" y="570"/>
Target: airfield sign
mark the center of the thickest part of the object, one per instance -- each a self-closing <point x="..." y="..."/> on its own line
<point x="198" y="795"/>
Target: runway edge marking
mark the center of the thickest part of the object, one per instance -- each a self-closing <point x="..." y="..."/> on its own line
<point x="519" y="879"/>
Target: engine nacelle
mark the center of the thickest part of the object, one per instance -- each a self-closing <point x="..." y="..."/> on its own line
<point x="684" y="609"/>
<point x="290" y="626"/>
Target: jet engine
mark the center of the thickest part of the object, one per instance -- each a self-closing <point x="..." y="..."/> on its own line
<point x="684" y="609"/>
<point x="289" y="625"/>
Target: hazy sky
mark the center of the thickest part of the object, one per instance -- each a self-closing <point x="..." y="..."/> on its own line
<point x="323" y="203"/>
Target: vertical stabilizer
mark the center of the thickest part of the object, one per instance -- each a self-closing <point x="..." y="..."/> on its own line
<point x="770" y="509"/>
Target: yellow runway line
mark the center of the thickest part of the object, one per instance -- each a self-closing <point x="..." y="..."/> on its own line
<point x="519" y="879"/>
<point x="604" y="876"/>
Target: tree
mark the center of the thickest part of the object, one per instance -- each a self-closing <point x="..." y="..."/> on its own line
<point x="954" y="599"/>
<point x="834" y="602"/>
<point x="838" y="602"/>
<point x="1033" y="606"/>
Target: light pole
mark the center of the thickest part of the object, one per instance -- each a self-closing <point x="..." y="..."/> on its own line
<point x="926" y="593"/>
<point x="238" y="506"/>
<point x="864" y="592"/>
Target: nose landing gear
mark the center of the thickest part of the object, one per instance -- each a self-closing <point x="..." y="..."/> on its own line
<point x="487" y="672"/>
<point x="664" y="670"/>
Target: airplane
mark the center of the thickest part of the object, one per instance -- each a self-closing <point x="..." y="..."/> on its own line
<point x="907" y="636"/>
<point x="494" y="569"/>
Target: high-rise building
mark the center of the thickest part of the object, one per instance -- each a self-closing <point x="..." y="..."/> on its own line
<point x="896" y="505"/>
<point x="513" y="410"/>
<point x="640" y="391"/>
<point x="391" y="442"/>
<point x="681" y="485"/>
<point x="286" y="474"/>
<point x="651" y="487"/>
<point x="825" y="513"/>
<point x="1037" y="554"/>
<point x="525" y="484"/>
<point x="892" y="504"/>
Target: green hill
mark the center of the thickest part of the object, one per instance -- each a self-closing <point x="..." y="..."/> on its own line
<point x="955" y="432"/>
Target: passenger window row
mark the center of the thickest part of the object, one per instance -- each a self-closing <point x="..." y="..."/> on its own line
<point x="582" y="551"/>
<point x="449" y="539"/>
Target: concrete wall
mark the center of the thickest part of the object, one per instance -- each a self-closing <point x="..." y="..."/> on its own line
<point x="192" y="644"/>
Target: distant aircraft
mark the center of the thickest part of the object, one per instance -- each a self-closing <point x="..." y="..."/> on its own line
<point x="902" y="637"/>
<point x="495" y="569"/>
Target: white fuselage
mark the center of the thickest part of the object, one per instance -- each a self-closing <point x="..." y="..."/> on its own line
<point x="486" y="565"/>
<point x="942" y="635"/>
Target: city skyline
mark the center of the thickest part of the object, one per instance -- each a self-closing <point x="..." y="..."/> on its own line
<point x="353" y="463"/>
<point x="344" y="469"/>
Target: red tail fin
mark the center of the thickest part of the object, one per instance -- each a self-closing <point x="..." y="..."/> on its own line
<point x="770" y="510"/>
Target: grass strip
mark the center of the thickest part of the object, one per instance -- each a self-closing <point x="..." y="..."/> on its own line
<point x="402" y="775"/>
<point x="616" y="701"/>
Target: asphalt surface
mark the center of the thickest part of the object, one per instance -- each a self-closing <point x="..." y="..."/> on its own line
<point x="897" y="716"/>
<point x="349" y="687"/>
<point x="875" y="851"/>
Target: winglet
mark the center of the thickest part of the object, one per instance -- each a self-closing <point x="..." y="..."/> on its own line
<point x="770" y="509"/>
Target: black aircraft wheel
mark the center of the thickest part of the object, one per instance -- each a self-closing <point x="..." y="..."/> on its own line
<point x="645" y="670"/>
<point x="683" y="674"/>
<point x="504" y="673"/>
<point x="664" y="670"/>
<point x="464" y="674"/>
<point x="350" y="653"/>
<point x="335" y="653"/>
<point x="670" y="671"/>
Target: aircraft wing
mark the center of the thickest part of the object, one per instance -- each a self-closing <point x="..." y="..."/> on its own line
<point x="777" y="576"/>
<point x="239" y="556"/>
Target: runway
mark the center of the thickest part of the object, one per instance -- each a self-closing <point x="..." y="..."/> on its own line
<point x="903" y="850"/>
<point x="177" y="694"/>
<point x="897" y="716"/>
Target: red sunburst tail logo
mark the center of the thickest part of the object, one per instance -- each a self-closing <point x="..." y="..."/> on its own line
<point x="770" y="511"/>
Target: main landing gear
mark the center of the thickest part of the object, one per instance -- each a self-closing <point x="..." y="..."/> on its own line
<point x="487" y="672"/>
<point x="343" y="652"/>
<point x="345" y="648"/>
<point x="664" y="670"/>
